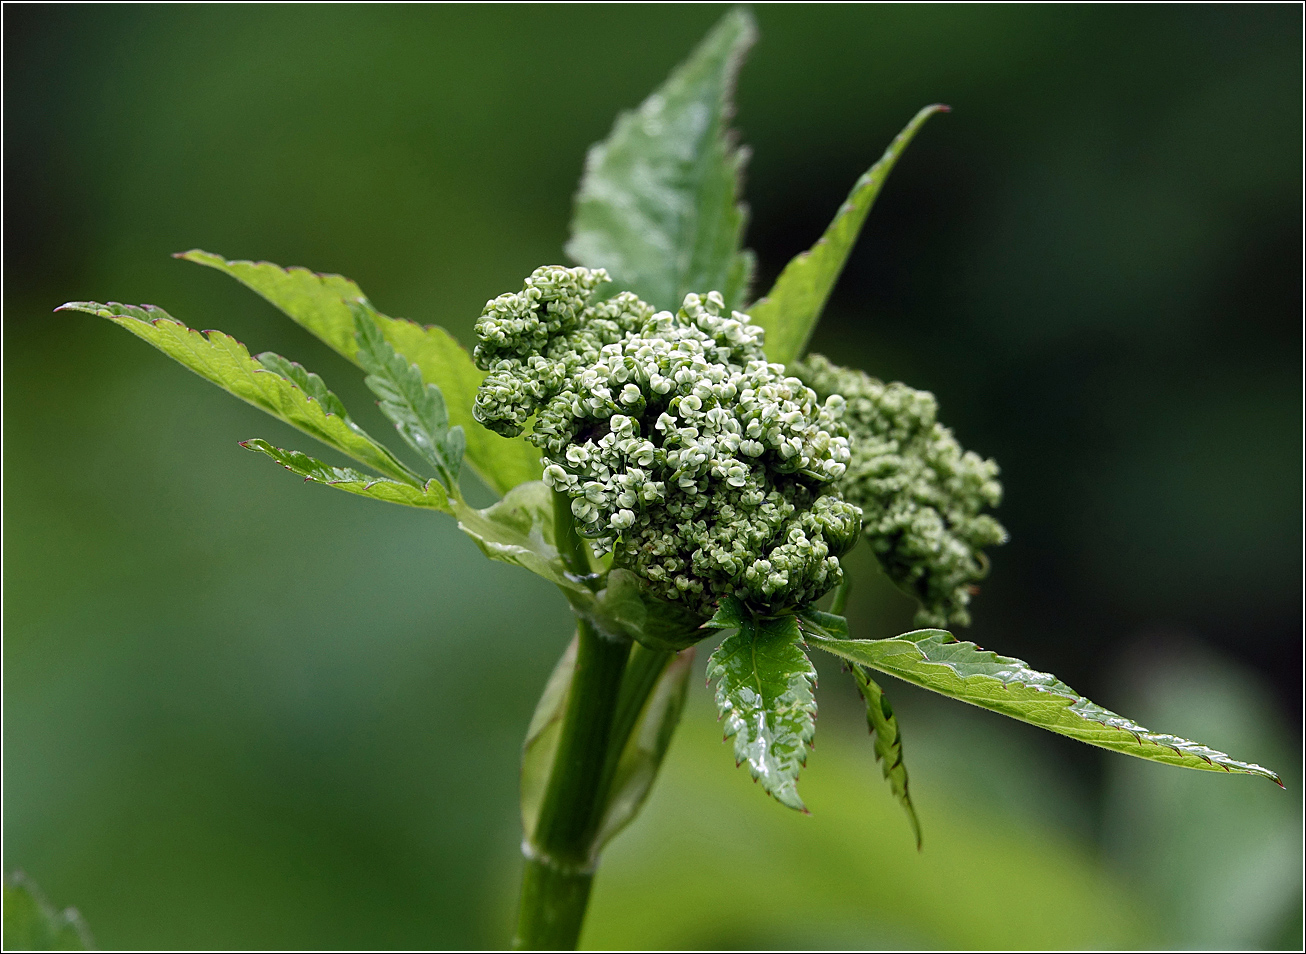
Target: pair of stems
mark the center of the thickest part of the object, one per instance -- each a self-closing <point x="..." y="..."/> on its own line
<point x="610" y="685"/>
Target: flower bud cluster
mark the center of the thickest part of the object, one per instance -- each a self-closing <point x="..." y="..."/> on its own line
<point x="703" y="469"/>
<point x="920" y="494"/>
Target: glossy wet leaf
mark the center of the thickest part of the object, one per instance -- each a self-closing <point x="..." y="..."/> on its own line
<point x="646" y="747"/>
<point x="764" y="694"/>
<point x="883" y="725"/>
<point x="658" y="205"/>
<point x="790" y="310"/>
<point x="319" y="304"/>
<point x="430" y="496"/>
<point x="222" y="359"/>
<point x="416" y="408"/>
<point x="935" y="660"/>
<point x="31" y="923"/>
<point x="542" y="739"/>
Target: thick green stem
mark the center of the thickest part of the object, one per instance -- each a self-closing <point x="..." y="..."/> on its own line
<point x="559" y="866"/>
<point x="559" y="862"/>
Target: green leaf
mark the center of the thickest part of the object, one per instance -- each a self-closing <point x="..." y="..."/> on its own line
<point x="519" y="530"/>
<point x="416" y="408"/>
<point x="223" y="360"/>
<point x="624" y="606"/>
<point x="883" y="725"/>
<point x="658" y="205"/>
<point x="542" y="739"/>
<point x="790" y="310"/>
<point x="764" y="692"/>
<point x="935" y="660"/>
<point x="318" y="303"/>
<point x="730" y="614"/>
<point x="31" y="923"/>
<point x="647" y="744"/>
<point x="430" y="496"/>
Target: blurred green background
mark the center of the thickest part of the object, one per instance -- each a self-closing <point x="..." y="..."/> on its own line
<point x="242" y="713"/>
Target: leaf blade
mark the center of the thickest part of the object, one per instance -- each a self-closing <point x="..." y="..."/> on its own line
<point x="764" y="693"/>
<point x="224" y="361"/>
<point x="790" y="310"/>
<point x="934" y="660"/>
<point x="416" y="409"/>
<point x="658" y="202"/>
<point x="430" y="496"/>
<point x="31" y="923"/>
<point x="883" y="726"/>
<point x="318" y="303"/>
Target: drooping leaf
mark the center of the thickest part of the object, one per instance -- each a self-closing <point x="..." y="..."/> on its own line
<point x="888" y="743"/>
<point x="658" y="205"/>
<point x="542" y="739"/>
<point x="319" y="304"/>
<point x="430" y="496"/>
<point x="764" y="693"/>
<point x="31" y="923"/>
<point x="647" y="743"/>
<point x="935" y="660"/>
<point x="223" y="360"/>
<point x="790" y="310"/>
<point x="416" y="408"/>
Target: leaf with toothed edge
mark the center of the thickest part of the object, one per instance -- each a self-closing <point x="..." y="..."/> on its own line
<point x="658" y="205"/>
<point x="935" y="660"/>
<point x="730" y="614"/>
<point x="223" y="360"/>
<point x="430" y="496"/>
<point x="416" y="408"/>
<point x="790" y="310"/>
<point x="32" y="923"/>
<point x="764" y="693"/>
<point x="883" y="726"/>
<point x="317" y="303"/>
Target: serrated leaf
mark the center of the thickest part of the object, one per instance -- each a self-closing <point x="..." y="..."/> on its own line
<point x="883" y="726"/>
<point x="764" y="693"/>
<point x="429" y="496"/>
<point x="318" y="303"/>
<point x="730" y="614"/>
<point x="223" y="360"/>
<point x="542" y="739"/>
<point x="935" y="660"/>
<point x="416" y="408"/>
<point x="310" y="383"/>
<point x="790" y="310"/>
<point x="647" y="744"/>
<point x="31" y="923"/>
<point x="658" y="205"/>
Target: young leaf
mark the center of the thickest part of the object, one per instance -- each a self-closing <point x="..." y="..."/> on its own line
<point x="519" y="530"/>
<point x="415" y="407"/>
<point x="658" y="205"/>
<point x="308" y="382"/>
<point x="430" y="496"/>
<point x="730" y="614"/>
<point x="883" y="726"/>
<point x="647" y="744"/>
<point x="318" y="304"/>
<point x="935" y="660"/>
<point x="790" y="310"/>
<point x="31" y="923"/>
<point x="764" y="692"/>
<point x="223" y="360"/>
<point x="542" y="739"/>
